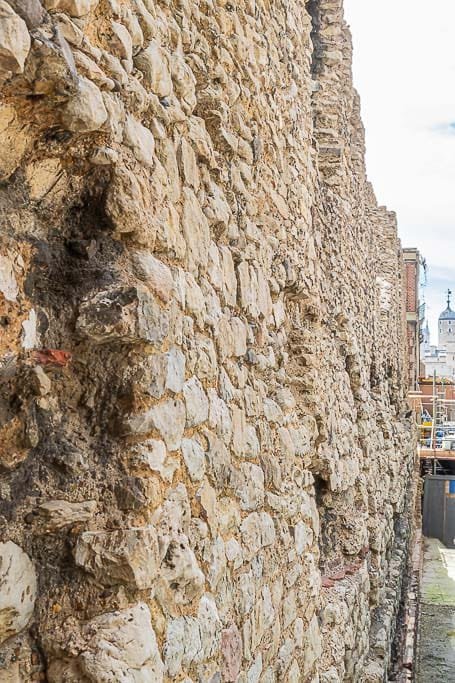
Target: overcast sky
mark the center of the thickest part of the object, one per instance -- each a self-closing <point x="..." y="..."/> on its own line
<point x="404" y="69"/>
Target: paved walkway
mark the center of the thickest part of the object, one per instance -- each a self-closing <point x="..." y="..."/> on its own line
<point x="437" y="615"/>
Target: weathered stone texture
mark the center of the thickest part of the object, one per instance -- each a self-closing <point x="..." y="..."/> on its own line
<point x="206" y="464"/>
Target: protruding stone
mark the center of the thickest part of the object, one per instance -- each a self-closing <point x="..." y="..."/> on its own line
<point x="167" y="418"/>
<point x="153" y="64"/>
<point x="60" y="513"/>
<point x="14" y="40"/>
<point x="123" y="315"/>
<point x="125" y="556"/>
<point x="17" y="590"/>
<point x="116" y="646"/>
<point x="85" y="111"/>
<point x="155" y="273"/>
<point x="129" y="206"/>
<point x="140" y="139"/>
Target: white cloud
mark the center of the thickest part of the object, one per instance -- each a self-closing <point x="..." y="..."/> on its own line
<point x="404" y="69"/>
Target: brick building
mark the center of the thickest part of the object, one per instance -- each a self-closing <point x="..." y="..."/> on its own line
<point x="414" y="315"/>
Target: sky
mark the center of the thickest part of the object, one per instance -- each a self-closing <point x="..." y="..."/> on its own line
<point x="404" y="70"/>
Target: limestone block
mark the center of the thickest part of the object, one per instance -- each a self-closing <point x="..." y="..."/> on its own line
<point x="58" y="514"/>
<point x="152" y="455"/>
<point x="17" y="590"/>
<point x="175" y="378"/>
<point x="194" y="457"/>
<point x="217" y="209"/>
<point x="202" y="359"/>
<point x="188" y="165"/>
<point x="31" y="11"/>
<point x="257" y="532"/>
<point x="14" y="138"/>
<point x="248" y="484"/>
<point x="121" y="44"/>
<point x="195" y="231"/>
<point x="194" y="299"/>
<point x="229" y="276"/>
<point x="125" y="556"/>
<point x="85" y="111"/>
<point x="14" y="40"/>
<point x="183" y="79"/>
<point x="155" y="273"/>
<point x="303" y="536"/>
<point x="233" y="551"/>
<point x="75" y="8"/>
<point x="219" y="416"/>
<point x="8" y="282"/>
<point x="117" y="646"/>
<point x="206" y="496"/>
<point x="180" y="569"/>
<point x="215" y="559"/>
<point x="128" y="206"/>
<point x="140" y="139"/>
<point x="123" y="315"/>
<point x="153" y="63"/>
<point x="196" y="401"/>
<point x="167" y="418"/>
<point x="192" y="639"/>
<point x="151" y="375"/>
<point x="313" y="646"/>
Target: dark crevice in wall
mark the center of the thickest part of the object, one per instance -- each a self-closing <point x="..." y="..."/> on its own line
<point x="313" y="8"/>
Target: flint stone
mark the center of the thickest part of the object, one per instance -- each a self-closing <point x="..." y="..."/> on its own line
<point x="125" y="556"/>
<point x="14" y="40"/>
<point x="17" y="590"/>
<point x="123" y="315"/>
<point x="85" y="111"/>
<point x="60" y="513"/>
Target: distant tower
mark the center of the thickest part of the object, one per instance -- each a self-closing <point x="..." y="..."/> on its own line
<point x="446" y="327"/>
<point x="426" y="341"/>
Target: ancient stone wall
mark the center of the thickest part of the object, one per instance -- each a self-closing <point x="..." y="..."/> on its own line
<point x="205" y="455"/>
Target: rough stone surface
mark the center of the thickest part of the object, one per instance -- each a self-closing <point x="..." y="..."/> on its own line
<point x="14" y="40"/>
<point x="17" y="590"/>
<point x="204" y="449"/>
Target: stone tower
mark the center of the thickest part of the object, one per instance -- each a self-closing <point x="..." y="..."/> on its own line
<point x="446" y="327"/>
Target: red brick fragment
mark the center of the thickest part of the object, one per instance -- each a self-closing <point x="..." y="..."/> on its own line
<point x="52" y="357"/>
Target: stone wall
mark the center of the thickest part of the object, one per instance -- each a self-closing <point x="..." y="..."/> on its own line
<point x="206" y="460"/>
